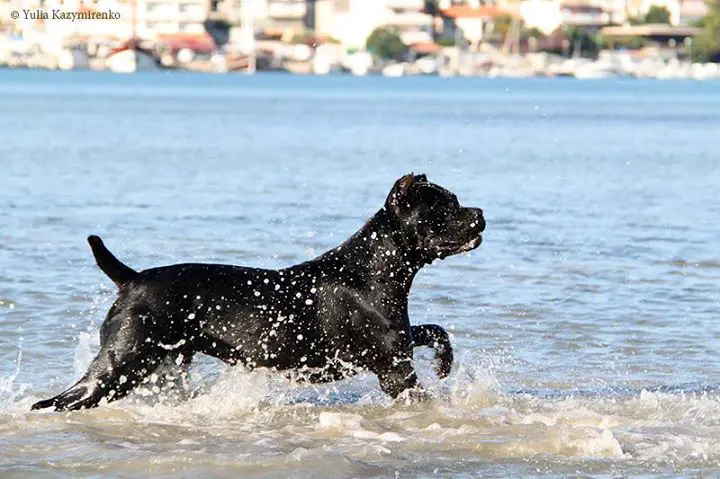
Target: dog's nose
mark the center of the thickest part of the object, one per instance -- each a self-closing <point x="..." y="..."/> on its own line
<point x="479" y="218"/>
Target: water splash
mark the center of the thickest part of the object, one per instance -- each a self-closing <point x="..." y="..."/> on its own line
<point x="88" y="344"/>
<point x="9" y="391"/>
<point x="259" y="418"/>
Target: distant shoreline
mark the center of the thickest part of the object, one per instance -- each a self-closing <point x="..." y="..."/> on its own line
<point x="359" y="78"/>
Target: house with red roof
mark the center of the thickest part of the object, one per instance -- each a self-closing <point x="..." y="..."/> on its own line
<point x="472" y="20"/>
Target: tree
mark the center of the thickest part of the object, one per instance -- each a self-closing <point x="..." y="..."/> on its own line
<point x="658" y="14"/>
<point x="706" y="46"/>
<point x="432" y="8"/>
<point x="582" y="42"/>
<point x="501" y="25"/>
<point x="384" y="42"/>
<point x="655" y="15"/>
<point x="533" y="32"/>
<point x="219" y="30"/>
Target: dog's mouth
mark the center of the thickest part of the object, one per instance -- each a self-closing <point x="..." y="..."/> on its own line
<point x="452" y="247"/>
<point x="471" y="245"/>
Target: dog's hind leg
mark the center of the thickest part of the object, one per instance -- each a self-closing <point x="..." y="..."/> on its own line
<point x="127" y="355"/>
<point x="436" y="337"/>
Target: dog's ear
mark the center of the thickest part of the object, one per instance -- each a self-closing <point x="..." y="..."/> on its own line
<point x="399" y="191"/>
<point x="421" y="177"/>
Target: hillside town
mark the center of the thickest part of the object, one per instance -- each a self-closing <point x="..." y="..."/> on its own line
<point x="501" y="38"/>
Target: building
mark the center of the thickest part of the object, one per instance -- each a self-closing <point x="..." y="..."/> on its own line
<point x="283" y="17"/>
<point x="691" y="11"/>
<point x="408" y="17"/>
<point x="547" y="15"/>
<point x="352" y="21"/>
<point x="550" y="15"/>
<point x="268" y="18"/>
<point x="474" y="20"/>
<point x="163" y="17"/>
<point x="146" y="19"/>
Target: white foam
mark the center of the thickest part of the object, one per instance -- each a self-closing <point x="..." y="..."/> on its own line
<point x="471" y="416"/>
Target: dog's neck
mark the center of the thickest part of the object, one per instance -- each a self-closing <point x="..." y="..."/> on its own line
<point x="380" y="251"/>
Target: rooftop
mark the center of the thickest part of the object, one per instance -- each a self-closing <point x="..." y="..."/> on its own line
<point x="466" y="11"/>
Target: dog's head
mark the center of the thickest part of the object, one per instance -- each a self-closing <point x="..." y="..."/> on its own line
<point x="433" y="219"/>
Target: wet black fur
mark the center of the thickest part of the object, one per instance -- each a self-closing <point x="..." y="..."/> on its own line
<point x="321" y="320"/>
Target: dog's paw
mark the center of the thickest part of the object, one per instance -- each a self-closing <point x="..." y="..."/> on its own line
<point x="44" y="404"/>
<point x="70" y="400"/>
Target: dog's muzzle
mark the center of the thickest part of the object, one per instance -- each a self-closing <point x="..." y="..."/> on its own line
<point x="470" y="245"/>
<point x="471" y="236"/>
<point x="477" y="227"/>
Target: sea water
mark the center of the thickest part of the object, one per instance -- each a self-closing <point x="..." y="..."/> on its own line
<point x="586" y="327"/>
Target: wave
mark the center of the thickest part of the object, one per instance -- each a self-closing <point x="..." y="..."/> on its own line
<point x="257" y="419"/>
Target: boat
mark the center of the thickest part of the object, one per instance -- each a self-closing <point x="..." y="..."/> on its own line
<point x="358" y="63"/>
<point x="394" y="70"/>
<point x="593" y="71"/>
<point x="130" y="58"/>
<point x="72" y="59"/>
<point x="325" y="59"/>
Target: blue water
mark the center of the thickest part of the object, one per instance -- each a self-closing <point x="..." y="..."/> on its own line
<point x="599" y="276"/>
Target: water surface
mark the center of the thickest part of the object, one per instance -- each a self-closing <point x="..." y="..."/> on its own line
<point x="586" y="326"/>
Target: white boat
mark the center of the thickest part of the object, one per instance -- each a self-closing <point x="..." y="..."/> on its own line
<point x="326" y="59"/>
<point x="72" y="59"/>
<point x="592" y="71"/>
<point x="358" y="63"/>
<point x="394" y="70"/>
<point x="130" y="61"/>
<point x="426" y="66"/>
<point x="321" y="65"/>
<point x="129" y="58"/>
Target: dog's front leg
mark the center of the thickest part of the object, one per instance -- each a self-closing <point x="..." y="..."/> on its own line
<point x="399" y="376"/>
<point x="436" y="337"/>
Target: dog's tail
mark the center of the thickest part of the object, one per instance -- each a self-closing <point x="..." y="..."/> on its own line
<point x="117" y="271"/>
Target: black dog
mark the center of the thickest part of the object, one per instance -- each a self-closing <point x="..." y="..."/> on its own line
<point x="324" y="320"/>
